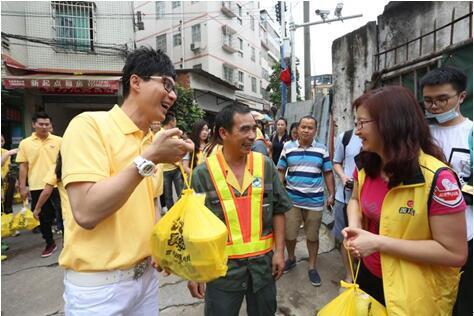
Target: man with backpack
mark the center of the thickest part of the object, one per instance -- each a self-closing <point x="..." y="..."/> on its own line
<point x="348" y="146"/>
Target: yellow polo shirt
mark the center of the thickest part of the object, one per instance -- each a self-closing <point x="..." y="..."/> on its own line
<point x="98" y="145"/>
<point x="6" y="166"/>
<point x="231" y="179"/>
<point x="40" y="156"/>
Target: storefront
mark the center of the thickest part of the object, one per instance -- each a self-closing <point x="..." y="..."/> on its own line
<point x="61" y="96"/>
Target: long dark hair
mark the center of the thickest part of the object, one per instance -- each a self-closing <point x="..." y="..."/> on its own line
<point x="275" y="135"/>
<point x="59" y="166"/>
<point x="214" y="140"/>
<point x="403" y="129"/>
<point x="196" y="137"/>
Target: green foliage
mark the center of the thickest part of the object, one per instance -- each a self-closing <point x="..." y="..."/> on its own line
<point x="186" y="109"/>
<point x="275" y="84"/>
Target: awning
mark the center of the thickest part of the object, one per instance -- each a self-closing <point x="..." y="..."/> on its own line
<point x="64" y="84"/>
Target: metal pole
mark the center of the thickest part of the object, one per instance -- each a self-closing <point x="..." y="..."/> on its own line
<point x="327" y="21"/>
<point x="293" y="60"/>
<point x="283" y="87"/>
<point x="307" y="53"/>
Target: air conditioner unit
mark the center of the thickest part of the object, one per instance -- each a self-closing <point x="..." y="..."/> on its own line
<point x="195" y="46"/>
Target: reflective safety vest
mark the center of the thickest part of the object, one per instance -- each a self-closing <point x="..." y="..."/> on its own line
<point x="412" y="288"/>
<point x="243" y="215"/>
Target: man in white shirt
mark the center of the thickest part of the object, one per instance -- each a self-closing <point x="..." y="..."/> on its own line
<point x="348" y="146"/>
<point x="444" y="90"/>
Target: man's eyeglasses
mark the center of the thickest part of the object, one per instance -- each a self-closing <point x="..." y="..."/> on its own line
<point x="360" y="123"/>
<point x="439" y="101"/>
<point x="167" y="83"/>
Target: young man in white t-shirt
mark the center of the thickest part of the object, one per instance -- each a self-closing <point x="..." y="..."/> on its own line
<point x="348" y="146"/>
<point x="444" y="90"/>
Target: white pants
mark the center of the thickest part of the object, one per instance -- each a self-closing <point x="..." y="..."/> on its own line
<point x="130" y="297"/>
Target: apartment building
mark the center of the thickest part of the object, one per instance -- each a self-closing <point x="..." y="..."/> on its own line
<point x="64" y="57"/>
<point x="218" y="48"/>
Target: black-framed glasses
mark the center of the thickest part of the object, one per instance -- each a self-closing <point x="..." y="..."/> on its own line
<point x="167" y="83"/>
<point x="360" y="123"/>
<point x="439" y="101"/>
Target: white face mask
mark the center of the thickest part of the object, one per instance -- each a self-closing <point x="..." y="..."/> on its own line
<point x="445" y="116"/>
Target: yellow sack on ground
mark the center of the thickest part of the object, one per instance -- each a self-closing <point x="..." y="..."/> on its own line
<point x="353" y="301"/>
<point x="7" y="225"/>
<point x="190" y="240"/>
<point x="24" y="219"/>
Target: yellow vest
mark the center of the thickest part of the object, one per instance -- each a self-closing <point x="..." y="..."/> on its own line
<point x="245" y="234"/>
<point x="414" y="288"/>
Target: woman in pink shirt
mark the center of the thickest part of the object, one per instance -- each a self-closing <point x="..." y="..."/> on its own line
<point x="397" y="151"/>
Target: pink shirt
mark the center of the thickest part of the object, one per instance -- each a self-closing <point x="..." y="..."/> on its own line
<point x="447" y="199"/>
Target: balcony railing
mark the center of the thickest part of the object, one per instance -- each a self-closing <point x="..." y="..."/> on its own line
<point x="228" y="8"/>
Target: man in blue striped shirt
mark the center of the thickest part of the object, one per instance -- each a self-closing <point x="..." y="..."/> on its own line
<point x="303" y="164"/>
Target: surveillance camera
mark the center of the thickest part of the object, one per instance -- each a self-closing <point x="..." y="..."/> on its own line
<point x="338" y="10"/>
<point x="322" y="12"/>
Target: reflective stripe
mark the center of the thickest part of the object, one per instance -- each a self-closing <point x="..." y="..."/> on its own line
<point x="236" y="246"/>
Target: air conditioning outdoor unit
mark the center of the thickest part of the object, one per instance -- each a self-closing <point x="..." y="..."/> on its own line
<point x="195" y="46"/>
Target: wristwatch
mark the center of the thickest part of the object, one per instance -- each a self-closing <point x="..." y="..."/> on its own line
<point x="145" y="167"/>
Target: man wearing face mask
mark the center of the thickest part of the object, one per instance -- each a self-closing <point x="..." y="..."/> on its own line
<point x="444" y="90"/>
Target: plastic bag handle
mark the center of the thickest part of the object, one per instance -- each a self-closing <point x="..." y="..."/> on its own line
<point x="185" y="178"/>
<point x="354" y="276"/>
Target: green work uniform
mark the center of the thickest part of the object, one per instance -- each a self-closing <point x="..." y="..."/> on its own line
<point x="250" y="277"/>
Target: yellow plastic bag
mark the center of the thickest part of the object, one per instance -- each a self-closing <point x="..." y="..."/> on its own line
<point x="7" y="225"/>
<point x="24" y="219"/>
<point x="353" y="301"/>
<point x="190" y="240"/>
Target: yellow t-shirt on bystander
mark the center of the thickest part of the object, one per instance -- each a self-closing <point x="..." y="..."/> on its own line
<point x="40" y="155"/>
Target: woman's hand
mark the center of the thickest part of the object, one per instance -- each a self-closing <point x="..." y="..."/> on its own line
<point x="359" y="242"/>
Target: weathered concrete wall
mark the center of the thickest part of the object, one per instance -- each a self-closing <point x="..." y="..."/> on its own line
<point x="353" y="65"/>
<point x="353" y="54"/>
<point x="403" y="21"/>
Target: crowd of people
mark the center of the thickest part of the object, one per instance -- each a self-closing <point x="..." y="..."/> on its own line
<point x="402" y="202"/>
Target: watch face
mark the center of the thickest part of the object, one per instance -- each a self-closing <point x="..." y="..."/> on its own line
<point x="148" y="169"/>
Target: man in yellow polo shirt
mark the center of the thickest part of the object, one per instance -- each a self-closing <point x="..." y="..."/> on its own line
<point x="36" y="155"/>
<point x="109" y="161"/>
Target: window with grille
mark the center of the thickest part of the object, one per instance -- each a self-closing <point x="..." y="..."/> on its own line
<point x="177" y="39"/>
<point x="241" y="76"/>
<point x="175" y="4"/>
<point x="228" y="73"/>
<point x="254" y="84"/>
<point x="239" y="9"/>
<point x="160" y="9"/>
<point x="74" y="25"/>
<point x="252" y="23"/>
<point x="161" y="42"/>
<point x="196" y="31"/>
<point x="253" y="54"/>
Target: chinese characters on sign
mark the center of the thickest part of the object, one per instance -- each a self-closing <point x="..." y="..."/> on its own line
<point x="65" y="86"/>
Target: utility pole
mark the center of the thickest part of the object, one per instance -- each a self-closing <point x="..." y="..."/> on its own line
<point x="293" y="59"/>
<point x="307" y="59"/>
<point x="281" y="16"/>
<point x="307" y="53"/>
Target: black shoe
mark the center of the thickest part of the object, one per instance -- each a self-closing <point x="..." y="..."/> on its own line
<point x="314" y="277"/>
<point x="289" y="264"/>
<point x="36" y="230"/>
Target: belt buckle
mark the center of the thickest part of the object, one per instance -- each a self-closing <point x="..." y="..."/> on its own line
<point x="139" y="269"/>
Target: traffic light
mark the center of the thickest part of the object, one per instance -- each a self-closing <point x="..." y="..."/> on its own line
<point x="278" y="11"/>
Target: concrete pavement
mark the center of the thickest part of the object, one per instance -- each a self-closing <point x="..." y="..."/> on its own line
<point x="32" y="285"/>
